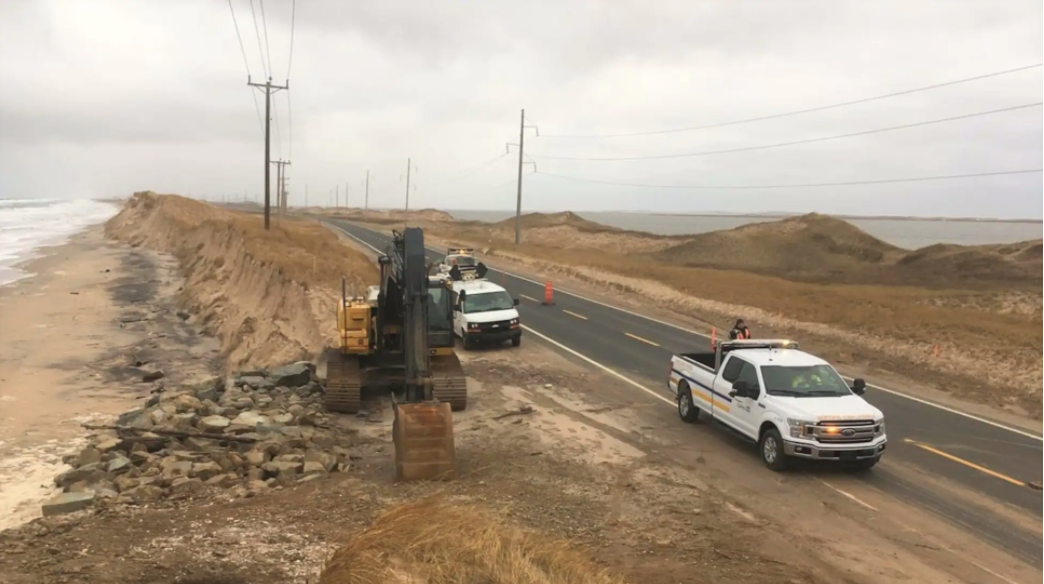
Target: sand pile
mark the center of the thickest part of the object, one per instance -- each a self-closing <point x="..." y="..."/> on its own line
<point x="433" y="542"/>
<point x="269" y="296"/>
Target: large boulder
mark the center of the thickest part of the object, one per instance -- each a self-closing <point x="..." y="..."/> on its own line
<point x="296" y="375"/>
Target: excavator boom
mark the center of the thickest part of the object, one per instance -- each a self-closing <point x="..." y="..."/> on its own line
<point x="407" y="343"/>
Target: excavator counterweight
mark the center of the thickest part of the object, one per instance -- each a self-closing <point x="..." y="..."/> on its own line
<point x="399" y="337"/>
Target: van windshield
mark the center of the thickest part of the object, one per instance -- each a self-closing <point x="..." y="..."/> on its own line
<point x="487" y="302"/>
<point x="813" y="381"/>
<point x="465" y="261"/>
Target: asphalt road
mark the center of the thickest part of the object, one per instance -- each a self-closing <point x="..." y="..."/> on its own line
<point x="975" y="455"/>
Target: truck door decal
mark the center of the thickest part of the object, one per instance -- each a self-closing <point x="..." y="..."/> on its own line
<point x="705" y="393"/>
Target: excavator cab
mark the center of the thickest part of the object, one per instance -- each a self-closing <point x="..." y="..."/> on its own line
<point x="401" y="337"/>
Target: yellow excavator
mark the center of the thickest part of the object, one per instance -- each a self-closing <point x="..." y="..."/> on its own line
<point x="399" y="338"/>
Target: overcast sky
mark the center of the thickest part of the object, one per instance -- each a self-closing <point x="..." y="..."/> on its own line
<point x="106" y="97"/>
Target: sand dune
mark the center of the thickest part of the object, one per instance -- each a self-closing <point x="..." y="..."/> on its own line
<point x="819" y="248"/>
<point x="269" y="296"/>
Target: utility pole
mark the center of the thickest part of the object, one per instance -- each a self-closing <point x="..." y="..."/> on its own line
<point x="345" y="195"/>
<point x="367" y="202"/>
<point x="337" y="196"/>
<point x="521" y="161"/>
<point x="281" y="184"/>
<point x="406" y="215"/>
<point x="269" y="89"/>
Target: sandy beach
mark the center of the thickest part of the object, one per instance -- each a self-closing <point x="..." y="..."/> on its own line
<point x="72" y="336"/>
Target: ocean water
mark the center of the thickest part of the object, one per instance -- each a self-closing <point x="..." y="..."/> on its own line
<point x="905" y="233"/>
<point x="27" y="225"/>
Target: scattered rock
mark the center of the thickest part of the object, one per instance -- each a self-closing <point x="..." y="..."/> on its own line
<point x="119" y="463"/>
<point x="186" y="403"/>
<point x="280" y="411"/>
<point x="152" y="376"/>
<point x="144" y="494"/>
<point x="89" y="455"/>
<point x="107" y="444"/>
<point x="183" y="315"/>
<point x="213" y="423"/>
<point x="294" y="375"/>
<point x="251" y="420"/>
<point x="257" y="382"/>
<point x="186" y="486"/>
<point x="206" y="470"/>
<point x="85" y="473"/>
<point x="68" y="503"/>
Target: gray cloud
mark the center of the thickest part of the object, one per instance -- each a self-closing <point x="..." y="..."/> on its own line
<point x="127" y="95"/>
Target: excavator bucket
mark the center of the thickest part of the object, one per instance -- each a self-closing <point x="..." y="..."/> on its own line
<point x="424" y="446"/>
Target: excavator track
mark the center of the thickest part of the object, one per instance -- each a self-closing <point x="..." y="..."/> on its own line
<point x="343" y="383"/>
<point x="449" y="383"/>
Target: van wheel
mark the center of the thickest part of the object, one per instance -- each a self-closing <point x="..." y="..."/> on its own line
<point x="687" y="410"/>
<point x="466" y="342"/>
<point x="515" y="342"/>
<point x="771" y="446"/>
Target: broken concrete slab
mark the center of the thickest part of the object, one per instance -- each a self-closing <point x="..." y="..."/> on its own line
<point x="68" y="503"/>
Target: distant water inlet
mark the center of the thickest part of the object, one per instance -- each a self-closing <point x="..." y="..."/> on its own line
<point x="26" y="225"/>
<point x="904" y="233"/>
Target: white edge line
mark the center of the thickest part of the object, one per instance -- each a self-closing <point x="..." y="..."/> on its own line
<point x="844" y="493"/>
<point x="699" y="334"/>
<point x="619" y="376"/>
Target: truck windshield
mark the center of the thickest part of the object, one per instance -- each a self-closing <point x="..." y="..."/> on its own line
<point x="465" y="261"/>
<point x="488" y="302"/>
<point x="813" y="381"/>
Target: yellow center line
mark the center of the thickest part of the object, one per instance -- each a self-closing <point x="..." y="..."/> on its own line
<point x="646" y="341"/>
<point x="570" y="313"/>
<point x="529" y="298"/>
<point x="966" y="463"/>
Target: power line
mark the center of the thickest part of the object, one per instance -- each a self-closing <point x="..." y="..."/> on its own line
<point x="246" y="63"/>
<point x="796" y="142"/>
<point x="293" y="19"/>
<point x="791" y="186"/>
<point x="257" y="32"/>
<point x="469" y="171"/>
<point x="264" y="27"/>
<point x="802" y="111"/>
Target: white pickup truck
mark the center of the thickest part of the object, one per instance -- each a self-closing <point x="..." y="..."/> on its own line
<point x="792" y="403"/>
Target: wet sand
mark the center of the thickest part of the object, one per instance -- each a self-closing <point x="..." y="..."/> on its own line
<point x="71" y="338"/>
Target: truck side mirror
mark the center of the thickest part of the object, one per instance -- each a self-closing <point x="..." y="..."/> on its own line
<point x="514" y="301"/>
<point x="859" y="386"/>
<point x="740" y="389"/>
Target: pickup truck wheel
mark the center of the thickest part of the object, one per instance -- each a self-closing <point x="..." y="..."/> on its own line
<point x="687" y="410"/>
<point x="771" y="446"/>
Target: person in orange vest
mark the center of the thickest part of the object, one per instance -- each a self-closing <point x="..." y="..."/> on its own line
<point x="739" y="331"/>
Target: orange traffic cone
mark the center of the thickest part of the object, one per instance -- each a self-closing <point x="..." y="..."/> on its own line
<point x="549" y="294"/>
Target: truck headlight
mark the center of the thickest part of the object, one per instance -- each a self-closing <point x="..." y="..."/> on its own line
<point x="797" y="426"/>
<point x="879" y="428"/>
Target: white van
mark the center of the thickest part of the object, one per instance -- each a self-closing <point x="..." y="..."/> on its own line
<point x="484" y="313"/>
